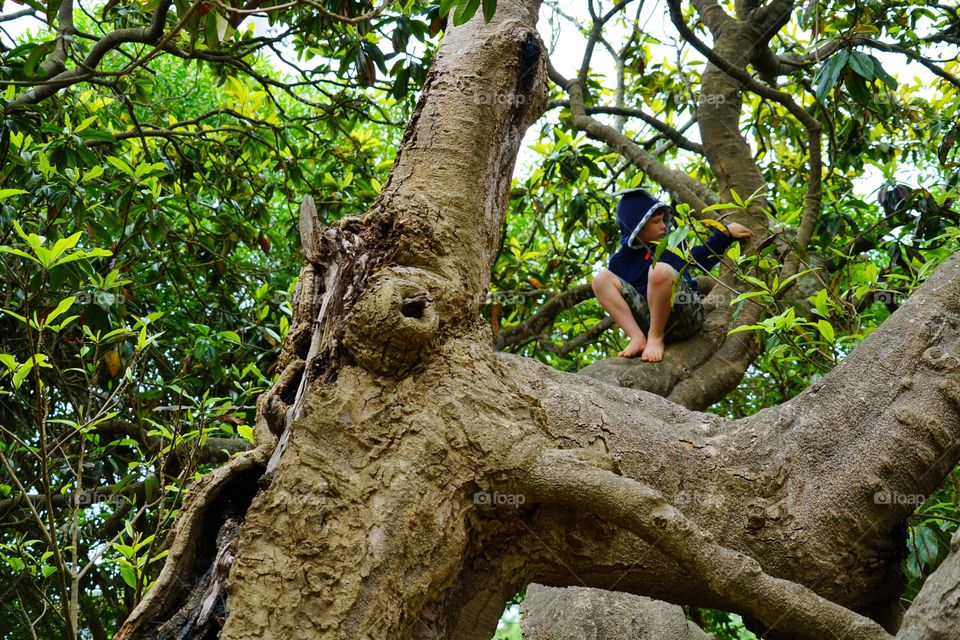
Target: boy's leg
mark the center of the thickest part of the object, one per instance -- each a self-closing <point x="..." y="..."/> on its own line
<point x="687" y="315"/>
<point x="607" y="288"/>
<point x="659" y="295"/>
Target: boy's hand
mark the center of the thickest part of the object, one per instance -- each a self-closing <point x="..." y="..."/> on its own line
<point x="739" y="231"/>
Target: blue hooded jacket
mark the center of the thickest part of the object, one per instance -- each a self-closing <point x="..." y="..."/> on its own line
<point x="633" y="260"/>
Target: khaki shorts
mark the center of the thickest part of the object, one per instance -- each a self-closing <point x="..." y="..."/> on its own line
<point x="686" y="315"/>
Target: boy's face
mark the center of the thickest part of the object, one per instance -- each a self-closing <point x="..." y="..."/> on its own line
<point x="655" y="229"/>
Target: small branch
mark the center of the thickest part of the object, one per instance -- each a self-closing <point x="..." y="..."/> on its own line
<point x="340" y="18"/>
<point x="596" y="31"/>
<point x="23" y="13"/>
<point x="573" y="344"/>
<point x="544" y="316"/>
<point x="668" y="132"/>
<point x="827" y="49"/>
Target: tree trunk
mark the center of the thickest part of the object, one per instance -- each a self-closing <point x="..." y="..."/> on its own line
<point x="408" y="482"/>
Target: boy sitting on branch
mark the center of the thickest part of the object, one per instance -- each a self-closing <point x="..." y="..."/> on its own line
<point x="654" y="303"/>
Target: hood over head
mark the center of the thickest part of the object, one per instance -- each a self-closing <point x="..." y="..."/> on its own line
<point x="635" y="208"/>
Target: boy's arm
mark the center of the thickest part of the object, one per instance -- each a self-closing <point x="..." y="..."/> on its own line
<point x="707" y="255"/>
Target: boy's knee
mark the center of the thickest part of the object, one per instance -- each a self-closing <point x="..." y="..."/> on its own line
<point x="603" y="279"/>
<point x="661" y="273"/>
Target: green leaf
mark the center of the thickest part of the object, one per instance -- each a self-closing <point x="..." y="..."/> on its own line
<point x="64" y="244"/>
<point x="37" y="56"/>
<point x="128" y="575"/>
<point x="792" y="278"/>
<point x="86" y="123"/>
<point x="862" y="65"/>
<point x="92" y="174"/>
<point x="829" y="73"/>
<point x="489" y="8"/>
<point x="748" y="295"/>
<point x="10" y="362"/>
<point x="121" y="165"/>
<point x="61" y="308"/>
<point x="746" y="327"/>
<point x="18" y="252"/>
<point x="925" y="545"/>
<point x="943" y="151"/>
<point x="246" y="432"/>
<point x="887" y="79"/>
<point x="21" y="373"/>
<point x="826" y="330"/>
<point x="15" y="315"/>
<point x="232" y="336"/>
<point x="465" y="11"/>
<point x="857" y="87"/>
<point x="6" y="193"/>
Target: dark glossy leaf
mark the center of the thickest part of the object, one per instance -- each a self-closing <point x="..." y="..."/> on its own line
<point x="947" y="144"/>
<point x="862" y="64"/>
<point x="489" y="7"/>
<point x="829" y="72"/>
<point x="887" y="79"/>
<point x="465" y="11"/>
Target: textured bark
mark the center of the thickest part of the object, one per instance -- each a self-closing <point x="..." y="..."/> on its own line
<point x="576" y="613"/>
<point x="390" y="504"/>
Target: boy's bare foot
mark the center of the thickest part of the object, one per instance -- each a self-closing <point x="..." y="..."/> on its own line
<point x="653" y="352"/>
<point x="635" y="348"/>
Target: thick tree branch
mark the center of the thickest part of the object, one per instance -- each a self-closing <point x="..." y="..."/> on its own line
<point x="713" y="15"/>
<point x="586" y="481"/>
<point x="814" y="193"/>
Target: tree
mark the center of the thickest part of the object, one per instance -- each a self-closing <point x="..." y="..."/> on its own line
<point x="408" y="478"/>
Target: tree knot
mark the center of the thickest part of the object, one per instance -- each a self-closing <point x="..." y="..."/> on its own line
<point x="393" y="322"/>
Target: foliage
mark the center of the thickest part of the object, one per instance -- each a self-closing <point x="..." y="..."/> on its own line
<point x="144" y="306"/>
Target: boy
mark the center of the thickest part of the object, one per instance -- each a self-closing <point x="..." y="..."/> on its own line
<point x="637" y="295"/>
